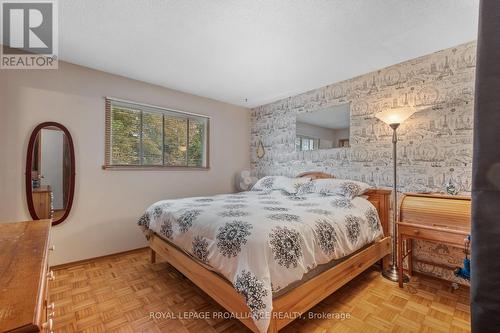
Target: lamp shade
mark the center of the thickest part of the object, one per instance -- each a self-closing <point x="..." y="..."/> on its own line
<point x="395" y="116"/>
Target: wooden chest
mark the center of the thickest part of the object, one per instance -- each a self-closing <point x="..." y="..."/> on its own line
<point x="42" y="201"/>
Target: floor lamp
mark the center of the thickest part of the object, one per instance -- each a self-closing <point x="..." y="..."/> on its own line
<point x="394" y="118"/>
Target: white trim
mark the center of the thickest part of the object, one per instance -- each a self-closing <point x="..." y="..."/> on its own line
<point x="156" y="107"/>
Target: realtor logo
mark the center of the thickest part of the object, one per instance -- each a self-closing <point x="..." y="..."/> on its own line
<point x="29" y="34"/>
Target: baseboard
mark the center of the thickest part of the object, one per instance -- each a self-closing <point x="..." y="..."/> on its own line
<point x="84" y="261"/>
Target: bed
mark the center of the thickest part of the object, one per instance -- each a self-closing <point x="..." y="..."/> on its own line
<point x="274" y="268"/>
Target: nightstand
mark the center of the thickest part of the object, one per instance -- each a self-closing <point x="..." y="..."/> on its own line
<point x="432" y="217"/>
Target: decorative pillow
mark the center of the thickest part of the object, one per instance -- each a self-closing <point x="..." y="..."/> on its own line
<point x="333" y="186"/>
<point x="289" y="185"/>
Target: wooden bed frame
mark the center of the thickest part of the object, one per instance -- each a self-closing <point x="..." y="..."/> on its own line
<point x="298" y="300"/>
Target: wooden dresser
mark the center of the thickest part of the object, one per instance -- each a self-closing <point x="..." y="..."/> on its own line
<point x="24" y="276"/>
<point x="42" y="201"/>
<point x="432" y="217"/>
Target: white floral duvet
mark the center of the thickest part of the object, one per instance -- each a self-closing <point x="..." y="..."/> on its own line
<point x="263" y="241"/>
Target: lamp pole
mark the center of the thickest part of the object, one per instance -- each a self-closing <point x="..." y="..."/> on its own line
<point x="392" y="272"/>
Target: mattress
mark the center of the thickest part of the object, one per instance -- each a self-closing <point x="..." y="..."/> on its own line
<point x="264" y="242"/>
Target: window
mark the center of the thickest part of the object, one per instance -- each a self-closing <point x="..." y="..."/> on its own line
<point x="140" y="135"/>
<point x="303" y="143"/>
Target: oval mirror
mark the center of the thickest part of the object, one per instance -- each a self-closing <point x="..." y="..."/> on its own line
<point x="50" y="172"/>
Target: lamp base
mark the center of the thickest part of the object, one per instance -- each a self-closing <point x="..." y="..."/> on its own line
<point x="392" y="273"/>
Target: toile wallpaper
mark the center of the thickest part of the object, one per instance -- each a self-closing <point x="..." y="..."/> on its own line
<point x="434" y="145"/>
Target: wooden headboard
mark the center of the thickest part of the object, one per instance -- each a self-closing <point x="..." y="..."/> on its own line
<point x="315" y="175"/>
<point x="380" y="198"/>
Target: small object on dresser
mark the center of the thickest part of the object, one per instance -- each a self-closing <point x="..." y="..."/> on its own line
<point x="36" y="179"/>
<point x="451" y="187"/>
<point x="35" y="183"/>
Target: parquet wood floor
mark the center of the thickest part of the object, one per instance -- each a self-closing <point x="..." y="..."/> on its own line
<point x="117" y="294"/>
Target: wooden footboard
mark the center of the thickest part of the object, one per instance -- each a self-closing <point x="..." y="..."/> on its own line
<point x="298" y="300"/>
<point x="211" y="283"/>
<point x="313" y="291"/>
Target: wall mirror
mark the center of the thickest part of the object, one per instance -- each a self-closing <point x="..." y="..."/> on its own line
<point x="50" y="172"/>
<point x="324" y="128"/>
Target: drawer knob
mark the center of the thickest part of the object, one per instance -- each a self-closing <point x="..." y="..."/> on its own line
<point x="52" y="248"/>
<point x="51" y="276"/>
<point x="48" y="325"/>
<point x="51" y="306"/>
<point x="416" y="231"/>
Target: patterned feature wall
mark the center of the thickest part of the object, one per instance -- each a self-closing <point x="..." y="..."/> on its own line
<point x="435" y="144"/>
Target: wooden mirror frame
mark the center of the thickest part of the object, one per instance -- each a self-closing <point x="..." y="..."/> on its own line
<point x="29" y="162"/>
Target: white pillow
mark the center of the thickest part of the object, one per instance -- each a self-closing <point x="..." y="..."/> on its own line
<point x="289" y="185"/>
<point x="333" y="186"/>
<point x="306" y="188"/>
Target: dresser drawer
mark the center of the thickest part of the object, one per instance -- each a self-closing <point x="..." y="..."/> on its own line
<point x="449" y="236"/>
<point x="47" y="320"/>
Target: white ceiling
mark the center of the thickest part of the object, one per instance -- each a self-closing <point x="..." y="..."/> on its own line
<point x="334" y="117"/>
<point x="260" y="50"/>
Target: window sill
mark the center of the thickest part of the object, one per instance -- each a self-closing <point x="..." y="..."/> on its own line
<point x="152" y="168"/>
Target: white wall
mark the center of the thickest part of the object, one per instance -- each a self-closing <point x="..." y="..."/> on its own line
<point x="52" y="164"/>
<point x="107" y="203"/>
